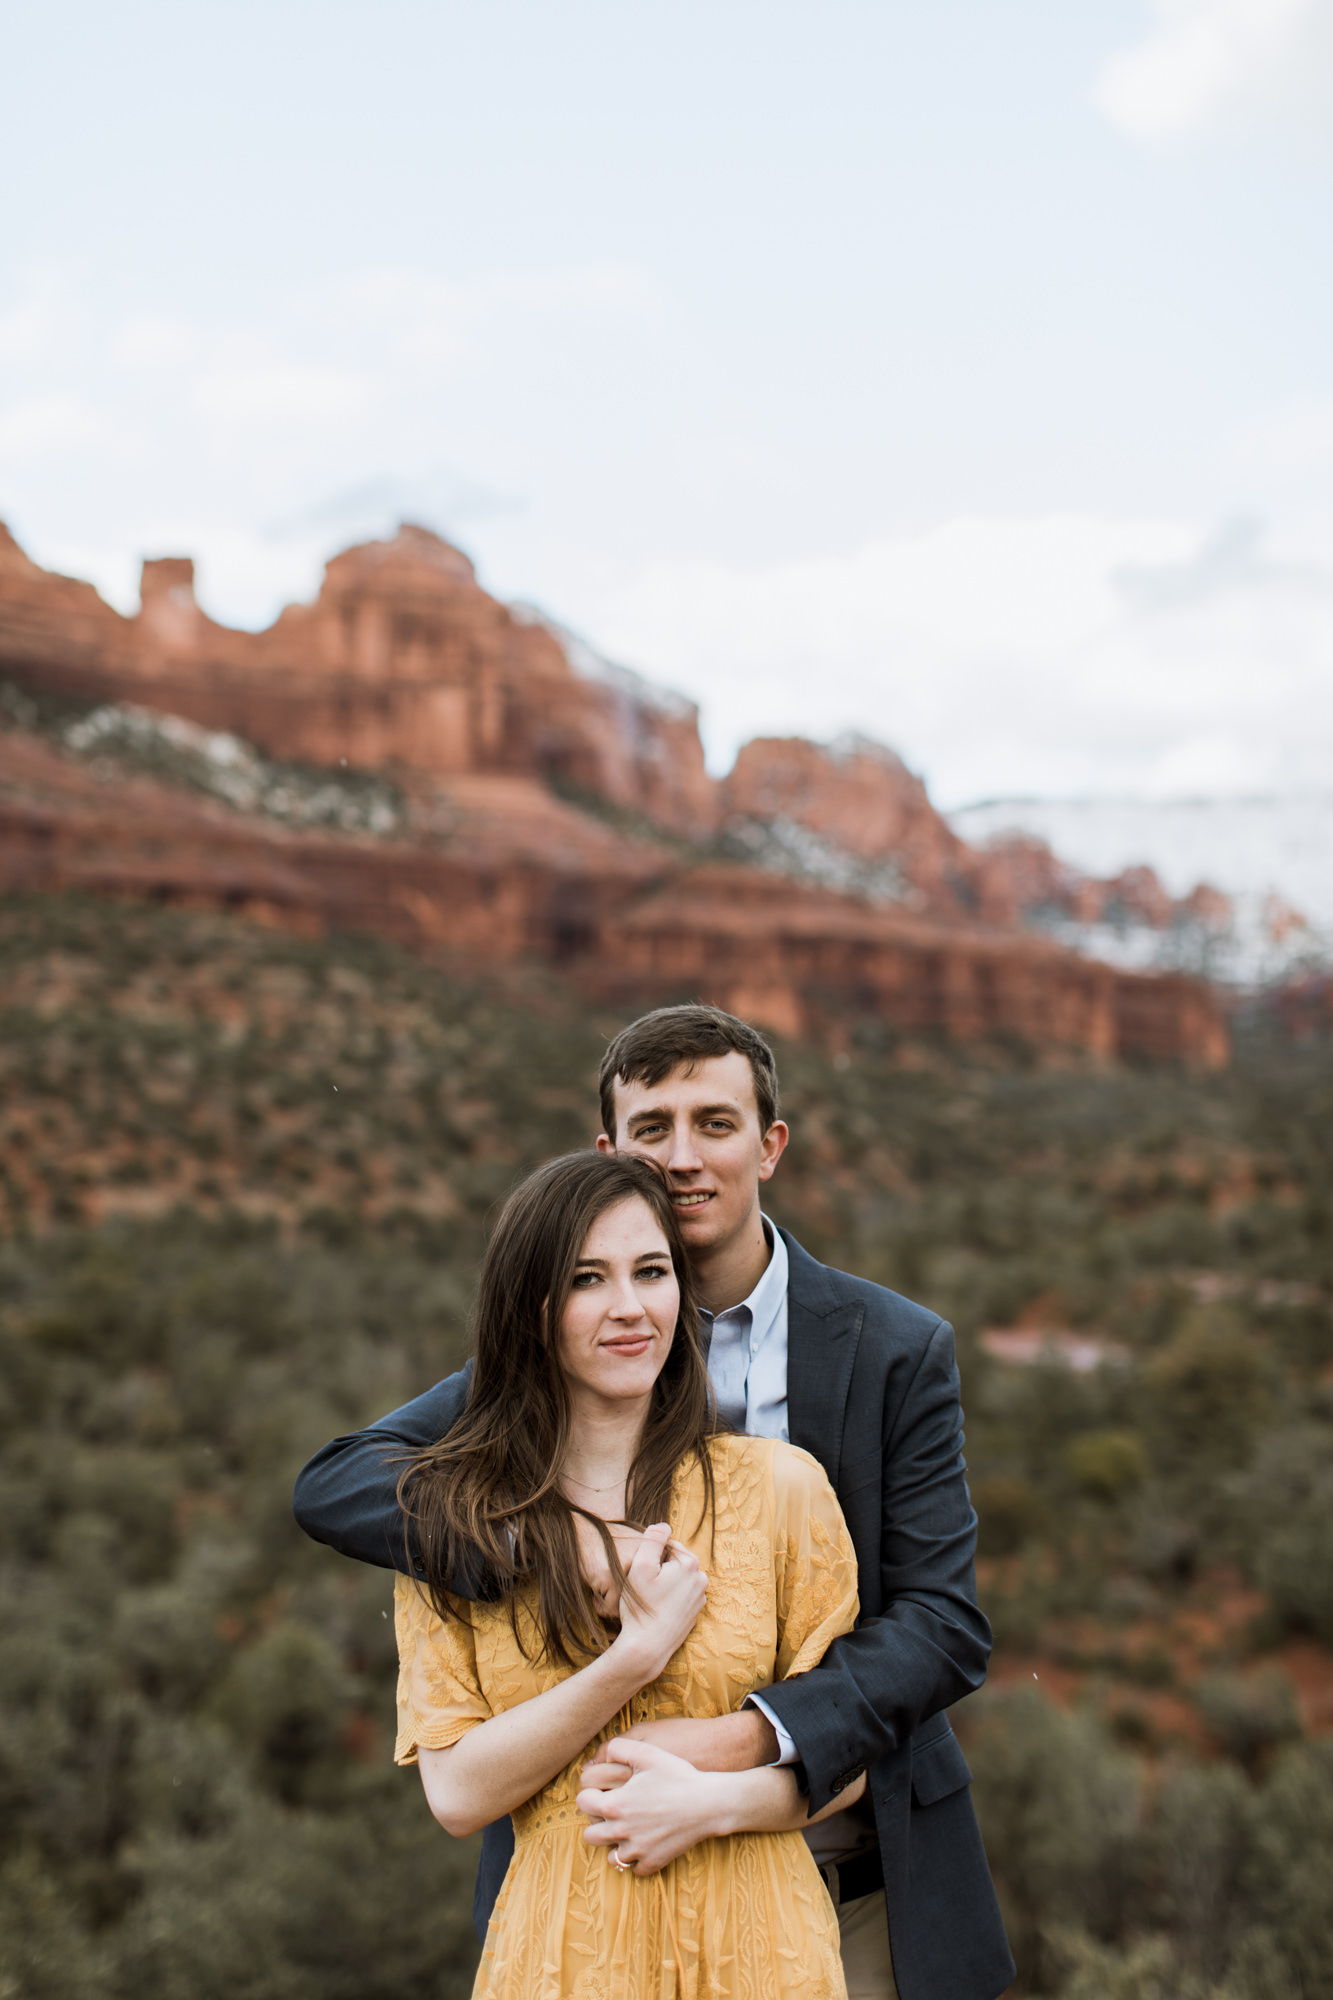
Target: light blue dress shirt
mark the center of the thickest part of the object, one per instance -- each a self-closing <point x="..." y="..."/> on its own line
<point x="748" y="1355"/>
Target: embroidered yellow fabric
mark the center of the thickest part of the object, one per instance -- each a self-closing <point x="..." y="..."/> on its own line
<point x="740" y="1919"/>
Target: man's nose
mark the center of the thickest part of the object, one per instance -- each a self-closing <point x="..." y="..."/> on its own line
<point x="684" y="1154"/>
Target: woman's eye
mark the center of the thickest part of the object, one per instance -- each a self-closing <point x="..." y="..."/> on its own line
<point x="653" y="1271"/>
<point x="584" y="1280"/>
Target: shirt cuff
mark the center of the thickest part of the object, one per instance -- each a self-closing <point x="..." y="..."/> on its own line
<point x="787" y="1751"/>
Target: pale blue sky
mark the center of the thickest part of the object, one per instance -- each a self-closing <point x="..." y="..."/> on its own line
<point x="962" y="372"/>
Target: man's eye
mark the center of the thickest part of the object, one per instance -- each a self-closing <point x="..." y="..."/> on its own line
<point x="647" y="1133"/>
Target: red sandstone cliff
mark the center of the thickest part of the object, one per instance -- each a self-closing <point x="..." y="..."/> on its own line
<point x="862" y="802"/>
<point x="403" y="659"/>
<point x="404" y="662"/>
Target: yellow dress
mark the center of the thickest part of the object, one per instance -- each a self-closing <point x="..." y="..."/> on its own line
<point x="746" y="1918"/>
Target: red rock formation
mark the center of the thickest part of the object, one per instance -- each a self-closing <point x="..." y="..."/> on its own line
<point x="404" y="661"/>
<point x="62" y="826"/>
<point x="858" y="795"/>
<point x="624" y="919"/>
<point x="863" y="801"/>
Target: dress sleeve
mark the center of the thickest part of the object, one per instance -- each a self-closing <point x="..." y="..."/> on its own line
<point x="814" y="1562"/>
<point x="439" y="1693"/>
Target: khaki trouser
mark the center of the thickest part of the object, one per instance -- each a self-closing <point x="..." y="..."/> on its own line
<point x="864" y="1927"/>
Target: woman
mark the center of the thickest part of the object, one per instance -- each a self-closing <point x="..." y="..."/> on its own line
<point x="589" y="1410"/>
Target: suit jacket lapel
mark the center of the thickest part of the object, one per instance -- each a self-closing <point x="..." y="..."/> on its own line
<point x="823" y="1330"/>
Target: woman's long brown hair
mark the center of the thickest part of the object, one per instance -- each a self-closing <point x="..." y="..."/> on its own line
<point x="485" y="1501"/>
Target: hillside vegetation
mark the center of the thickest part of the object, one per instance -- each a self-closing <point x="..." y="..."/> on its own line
<point x="244" y="1184"/>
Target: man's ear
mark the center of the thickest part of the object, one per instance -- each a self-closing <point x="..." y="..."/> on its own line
<point x="774" y="1146"/>
<point x="605" y="1145"/>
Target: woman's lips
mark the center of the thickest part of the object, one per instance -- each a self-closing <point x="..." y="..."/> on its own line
<point x="639" y="1345"/>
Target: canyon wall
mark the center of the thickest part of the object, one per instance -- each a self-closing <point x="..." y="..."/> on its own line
<point x="548" y="812"/>
<point x="402" y="659"/>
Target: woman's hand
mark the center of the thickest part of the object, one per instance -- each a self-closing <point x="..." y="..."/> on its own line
<point x="671" y="1589"/>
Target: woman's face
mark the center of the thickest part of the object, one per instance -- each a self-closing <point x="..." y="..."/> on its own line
<point x="620" y="1318"/>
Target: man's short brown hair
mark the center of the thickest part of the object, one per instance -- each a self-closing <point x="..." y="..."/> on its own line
<point x="669" y="1038"/>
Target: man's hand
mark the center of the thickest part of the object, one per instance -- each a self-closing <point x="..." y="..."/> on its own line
<point x="655" y="1806"/>
<point x="737" y="1742"/>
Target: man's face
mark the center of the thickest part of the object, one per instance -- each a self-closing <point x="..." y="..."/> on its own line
<point x="701" y="1124"/>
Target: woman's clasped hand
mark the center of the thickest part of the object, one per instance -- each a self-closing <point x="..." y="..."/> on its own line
<point x="668" y="1590"/>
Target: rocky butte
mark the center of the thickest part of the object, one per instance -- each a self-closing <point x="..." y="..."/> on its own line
<point x="547" y="805"/>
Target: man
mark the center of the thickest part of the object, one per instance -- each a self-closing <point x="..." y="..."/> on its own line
<point x="866" y="1382"/>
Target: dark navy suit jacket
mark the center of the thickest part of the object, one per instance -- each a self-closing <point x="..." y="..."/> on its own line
<point x="872" y="1393"/>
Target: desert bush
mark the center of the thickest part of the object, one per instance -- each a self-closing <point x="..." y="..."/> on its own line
<point x="1060" y="1811"/>
<point x="1205" y="1396"/>
<point x="1149" y="1970"/>
<point x="1288" y="1940"/>
<point x="1296" y="1569"/>
<point x="1250" y="1716"/>
<point x="1105" y="1464"/>
<point x="1009" y="1511"/>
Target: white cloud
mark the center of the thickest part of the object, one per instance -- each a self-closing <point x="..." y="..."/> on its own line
<point x="41" y="428"/>
<point x="1008" y="655"/>
<point x="151" y="340"/>
<point x="24" y="330"/>
<point x="45" y="322"/>
<point x="1054" y="653"/>
<point x="1295" y="439"/>
<point x="260" y="390"/>
<point x="1213" y="66"/>
<point x="336" y="409"/>
<point x="437" y="323"/>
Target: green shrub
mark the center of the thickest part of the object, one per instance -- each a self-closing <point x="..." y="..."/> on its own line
<point x="1009" y="1511"/>
<point x="1205" y="1396"/>
<point x="1059" y="1807"/>
<point x="287" y="1699"/>
<point x="1296" y="1569"/>
<point x="1105" y="1464"/>
<point x="1249" y="1717"/>
<point x="1289" y="1936"/>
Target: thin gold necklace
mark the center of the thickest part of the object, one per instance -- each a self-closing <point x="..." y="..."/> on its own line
<point x="564" y="1474"/>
